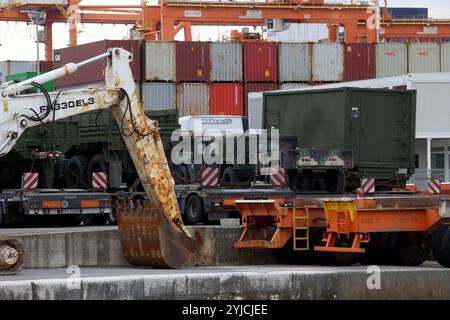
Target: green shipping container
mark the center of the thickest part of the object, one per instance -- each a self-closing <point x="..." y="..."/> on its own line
<point x="377" y="125"/>
<point x="19" y="77"/>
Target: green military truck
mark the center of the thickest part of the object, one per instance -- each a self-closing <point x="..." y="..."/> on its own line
<point x="67" y="152"/>
<point x="376" y="125"/>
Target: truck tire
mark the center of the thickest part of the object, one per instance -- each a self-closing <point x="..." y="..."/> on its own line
<point x="76" y="172"/>
<point x="1" y="216"/>
<point x="70" y="221"/>
<point x="229" y="175"/>
<point x="112" y="217"/>
<point x="336" y="182"/>
<point x="94" y="220"/>
<point x="96" y="164"/>
<point x="410" y="249"/>
<point x="195" y="212"/>
<point x="441" y="246"/>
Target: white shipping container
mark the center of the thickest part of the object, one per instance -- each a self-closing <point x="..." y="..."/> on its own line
<point x="294" y="62"/>
<point x="327" y="62"/>
<point x="10" y="67"/>
<point x="423" y="57"/>
<point x="158" y="95"/>
<point x="160" y="62"/>
<point x="445" y="57"/>
<point x="192" y="99"/>
<point x="255" y="109"/>
<point x="226" y="62"/>
<point x="391" y="59"/>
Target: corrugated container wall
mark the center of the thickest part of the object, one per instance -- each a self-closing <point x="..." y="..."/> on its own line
<point x="256" y="87"/>
<point x="359" y="62"/>
<point x="192" y="61"/>
<point x="95" y="71"/>
<point x="260" y="62"/>
<point x="392" y="59"/>
<point x="13" y="67"/>
<point x="327" y="62"/>
<point x="226" y="98"/>
<point x="445" y="57"/>
<point x="423" y="57"/>
<point x="158" y="96"/>
<point x="192" y="99"/>
<point x="293" y="85"/>
<point x="294" y="62"/>
<point x="226" y="62"/>
<point x="160" y="61"/>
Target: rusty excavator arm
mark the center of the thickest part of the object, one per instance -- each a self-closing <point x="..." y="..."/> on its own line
<point x="152" y="232"/>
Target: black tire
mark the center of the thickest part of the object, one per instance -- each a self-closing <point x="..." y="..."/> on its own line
<point x="337" y="183"/>
<point x="195" y="212"/>
<point x="287" y="255"/>
<point x="76" y="172"/>
<point x="1" y="216"/>
<point x="410" y="249"/>
<point x="385" y="254"/>
<point x="94" y="220"/>
<point x="112" y="216"/>
<point x="318" y="184"/>
<point x="370" y="257"/>
<point x="67" y="221"/>
<point x="441" y="246"/>
<point x="320" y="257"/>
<point x="96" y="164"/>
<point x="342" y="259"/>
<point x="229" y="175"/>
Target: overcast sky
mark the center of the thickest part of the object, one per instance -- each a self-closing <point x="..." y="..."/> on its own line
<point x="17" y="39"/>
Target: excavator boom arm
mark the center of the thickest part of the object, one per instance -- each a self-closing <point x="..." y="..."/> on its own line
<point x="151" y="234"/>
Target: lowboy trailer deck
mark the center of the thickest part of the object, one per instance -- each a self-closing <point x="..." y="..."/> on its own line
<point x="393" y="228"/>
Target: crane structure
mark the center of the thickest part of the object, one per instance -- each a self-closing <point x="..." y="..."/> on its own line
<point x="67" y="11"/>
<point x="363" y="22"/>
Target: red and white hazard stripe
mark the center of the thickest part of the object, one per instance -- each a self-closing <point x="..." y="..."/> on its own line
<point x="368" y="185"/>
<point x="434" y="186"/>
<point x="30" y="180"/>
<point x="99" y="180"/>
<point x="360" y="193"/>
<point x="277" y="177"/>
<point x="210" y="177"/>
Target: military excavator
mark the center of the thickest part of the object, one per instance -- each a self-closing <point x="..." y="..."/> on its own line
<point x="152" y="232"/>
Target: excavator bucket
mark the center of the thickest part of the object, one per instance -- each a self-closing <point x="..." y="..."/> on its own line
<point x="11" y="256"/>
<point x="148" y="239"/>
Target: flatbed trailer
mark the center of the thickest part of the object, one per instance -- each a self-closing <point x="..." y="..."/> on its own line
<point x="391" y="228"/>
<point x="63" y="207"/>
<point x="202" y="204"/>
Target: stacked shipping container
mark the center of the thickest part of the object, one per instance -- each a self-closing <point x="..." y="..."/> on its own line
<point x="215" y="78"/>
<point x="260" y="68"/>
<point x="159" y="88"/>
<point x="226" y="76"/>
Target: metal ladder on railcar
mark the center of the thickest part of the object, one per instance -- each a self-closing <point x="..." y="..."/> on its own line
<point x="300" y="234"/>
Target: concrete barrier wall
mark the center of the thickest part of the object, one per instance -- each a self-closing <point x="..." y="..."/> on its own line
<point x="101" y="248"/>
<point x="298" y="285"/>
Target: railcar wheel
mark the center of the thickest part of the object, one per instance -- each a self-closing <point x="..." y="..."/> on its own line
<point x="441" y="246"/>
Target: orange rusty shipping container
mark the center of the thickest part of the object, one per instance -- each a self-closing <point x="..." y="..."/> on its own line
<point x="94" y="72"/>
<point x="192" y="61"/>
<point x="256" y="87"/>
<point x="260" y="62"/>
<point x="226" y="98"/>
<point x="359" y="62"/>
